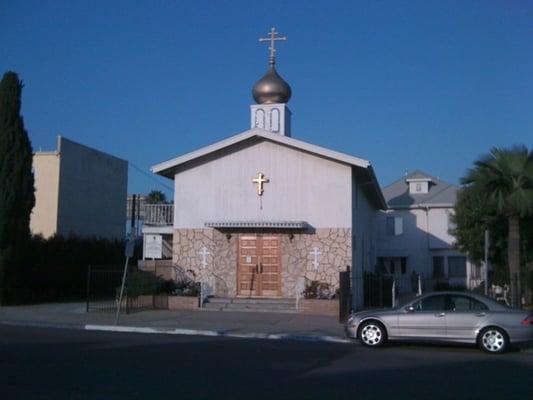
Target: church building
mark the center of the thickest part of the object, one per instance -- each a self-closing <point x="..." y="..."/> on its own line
<point x="258" y="213"/>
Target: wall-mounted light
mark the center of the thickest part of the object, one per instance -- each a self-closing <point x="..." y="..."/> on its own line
<point x="291" y="236"/>
<point x="228" y="236"/>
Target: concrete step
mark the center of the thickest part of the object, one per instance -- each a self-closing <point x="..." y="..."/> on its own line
<point x="251" y="305"/>
<point x="246" y="300"/>
<point x="237" y="306"/>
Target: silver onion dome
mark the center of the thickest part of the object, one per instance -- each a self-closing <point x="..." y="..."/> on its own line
<point x="271" y="88"/>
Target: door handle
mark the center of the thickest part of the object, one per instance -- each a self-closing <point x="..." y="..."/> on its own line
<point x="440" y="315"/>
<point x="481" y="314"/>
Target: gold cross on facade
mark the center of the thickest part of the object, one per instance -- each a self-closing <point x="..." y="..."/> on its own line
<point x="272" y="39"/>
<point x="260" y="180"/>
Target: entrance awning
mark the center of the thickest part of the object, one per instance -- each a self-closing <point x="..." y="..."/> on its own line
<point x="258" y="224"/>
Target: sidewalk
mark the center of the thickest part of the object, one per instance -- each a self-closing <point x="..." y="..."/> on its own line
<point x="211" y="323"/>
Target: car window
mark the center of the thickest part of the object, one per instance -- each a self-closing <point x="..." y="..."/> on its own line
<point x="465" y="303"/>
<point x="431" y="303"/>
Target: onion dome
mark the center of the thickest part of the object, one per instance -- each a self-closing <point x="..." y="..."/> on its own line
<point x="271" y="88"/>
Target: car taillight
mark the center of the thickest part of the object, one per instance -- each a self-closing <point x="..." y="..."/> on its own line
<point x="528" y="320"/>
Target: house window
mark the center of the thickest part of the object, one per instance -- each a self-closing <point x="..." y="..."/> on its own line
<point x="394" y="226"/>
<point x="457" y="267"/>
<point x="438" y="267"/>
<point x="392" y="267"/>
<point x="418" y="187"/>
<point x="404" y="265"/>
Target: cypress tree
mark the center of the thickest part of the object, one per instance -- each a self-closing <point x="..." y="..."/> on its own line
<point x="17" y="196"/>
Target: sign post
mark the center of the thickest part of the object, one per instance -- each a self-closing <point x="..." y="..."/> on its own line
<point x="130" y="247"/>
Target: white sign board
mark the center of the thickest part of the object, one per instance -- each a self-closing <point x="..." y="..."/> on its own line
<point x="153" y="246"/>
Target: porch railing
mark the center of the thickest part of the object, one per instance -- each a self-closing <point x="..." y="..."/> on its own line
<point x="158" y="214"/>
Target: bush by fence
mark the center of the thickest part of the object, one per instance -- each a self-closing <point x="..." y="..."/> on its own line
<point x="55" y="269"/>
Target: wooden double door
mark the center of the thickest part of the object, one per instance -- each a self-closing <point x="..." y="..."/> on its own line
<point x="259" y="266"/>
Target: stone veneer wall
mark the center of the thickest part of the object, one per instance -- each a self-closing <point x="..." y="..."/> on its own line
<point x="335" y="244"/>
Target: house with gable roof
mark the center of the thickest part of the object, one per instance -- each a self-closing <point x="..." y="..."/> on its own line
<point x="414" y="233"/>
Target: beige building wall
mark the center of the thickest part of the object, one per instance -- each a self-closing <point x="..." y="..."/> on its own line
<point x="46" y="173"/>
<point x="79" y="191"/>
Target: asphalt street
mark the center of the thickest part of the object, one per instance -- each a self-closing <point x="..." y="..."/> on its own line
<point x="47" y="363"/>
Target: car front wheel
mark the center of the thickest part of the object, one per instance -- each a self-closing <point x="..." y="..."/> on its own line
<point x="372" y="334"/>
<point x="493" y="340"/>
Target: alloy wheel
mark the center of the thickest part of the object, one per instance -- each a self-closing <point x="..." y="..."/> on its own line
<point x="493" y="340"/>
<point x="371" y="335"/>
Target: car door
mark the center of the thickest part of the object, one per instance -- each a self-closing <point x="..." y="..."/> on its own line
<point x="424" y="319"/>
<point x="466" y="315"/>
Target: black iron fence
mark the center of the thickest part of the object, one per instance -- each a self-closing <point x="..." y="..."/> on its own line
<point x="383" y="291"/>
<point x="140" y="290"/>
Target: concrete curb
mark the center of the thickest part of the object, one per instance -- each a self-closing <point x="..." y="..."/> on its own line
<point x="196" y="332"/>
<point x="42" y="324"/>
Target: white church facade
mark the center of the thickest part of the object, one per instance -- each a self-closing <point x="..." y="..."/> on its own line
<point x="260" y="212"/>
<point x="256" y="212"/>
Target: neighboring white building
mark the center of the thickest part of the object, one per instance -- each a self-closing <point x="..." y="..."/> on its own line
<point x="79" y="191"/>
<point x="414" y="233"/>
<point x="260" y="212"/>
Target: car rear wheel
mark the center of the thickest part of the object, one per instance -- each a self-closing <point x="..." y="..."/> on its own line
<point x="372" y="334"/>
<point x="493" y="340"/>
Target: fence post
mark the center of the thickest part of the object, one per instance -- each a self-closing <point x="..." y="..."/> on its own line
<point x="88" y="285"/>
<point x="419" y="285"/>
<point x="380" y="284"/>
<point x="393" y="293"/>
<point x="516" y="291"/>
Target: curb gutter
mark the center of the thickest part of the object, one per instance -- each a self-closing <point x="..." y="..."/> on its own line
<point x="195" y="332"/>
<point x="178" y="331"/>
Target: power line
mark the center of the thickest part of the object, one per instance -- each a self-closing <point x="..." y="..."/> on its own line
<point x="152" y="177"/>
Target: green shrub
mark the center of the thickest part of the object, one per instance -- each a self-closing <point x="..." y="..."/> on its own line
<point x="55" y="269"/>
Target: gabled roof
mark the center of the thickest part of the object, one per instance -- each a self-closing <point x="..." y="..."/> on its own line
<point x="441" y="193"/>
<point x="169" y="168"/>
<point x="417" y="174"/>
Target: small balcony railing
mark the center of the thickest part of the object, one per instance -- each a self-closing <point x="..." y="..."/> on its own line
<point x="159" y="214"/>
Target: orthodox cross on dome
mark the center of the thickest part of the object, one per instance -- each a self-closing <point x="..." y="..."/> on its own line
<point x="316" y="253"/>
<point x="204" y="253"/>
<point x="260" y="180"/>
<point x="272" y="39"/>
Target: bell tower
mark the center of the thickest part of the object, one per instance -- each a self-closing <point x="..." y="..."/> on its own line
<point x="271" y="93"/>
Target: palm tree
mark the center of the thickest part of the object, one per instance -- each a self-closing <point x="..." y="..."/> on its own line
<point x="156" y="197"/>
<point x="505" y="177"/>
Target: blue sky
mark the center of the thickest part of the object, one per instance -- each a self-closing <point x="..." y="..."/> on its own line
<point x="404" y="84"/>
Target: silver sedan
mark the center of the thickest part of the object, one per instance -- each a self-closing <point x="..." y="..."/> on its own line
<point x="454" y="317"/>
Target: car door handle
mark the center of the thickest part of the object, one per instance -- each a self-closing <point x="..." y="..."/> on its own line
<point x="440" y="315"/>
<point x="481" y="314"/>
